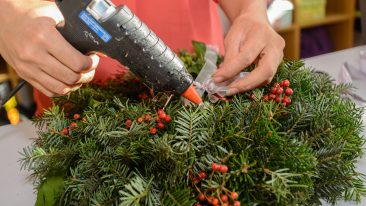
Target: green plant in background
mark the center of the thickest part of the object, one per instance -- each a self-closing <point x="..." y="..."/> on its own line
<point x="293" y="142"/>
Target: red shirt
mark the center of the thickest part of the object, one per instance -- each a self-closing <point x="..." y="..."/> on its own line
<point x="177" y="23"/>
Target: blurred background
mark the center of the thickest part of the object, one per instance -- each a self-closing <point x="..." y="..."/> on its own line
<point x="309" y="27"/>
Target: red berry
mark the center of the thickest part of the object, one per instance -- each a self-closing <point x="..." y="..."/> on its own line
<point x="215" y="167"/>
<point x="278" y="99"/>
<point x="272" y="96"/>
<point x="153" y="131"/>
<point x="76" y="116"/>
<point x="236" y="203"/>
<point x="144" y="96"/>
<point x="225" y="204"/>
<point x="274" y="91"/>
<point x="286" y="83"/>
<point x="73" y="125"/>
<point x="139" y="120"/>
<point x="289" y="91"/>
<point x="213" y="200"/>
<point x="234" y="195"/>
<point x="197" y="204"/>
<point x="128" y="123"/>
<point x="276" y="85"/>
<point x="286" y="100"/>
<point x="196" y="180"/>
<point x="167" y="119"/>
<point x="202" y="175"/>
<point x="147" y="117"/>
<point x="65" y="131"/>
<point x="161" y="111"/>
<point x="157" y="119"/>
<point x="201" y="197"/>
<point x="279" y="90"/>
<point x="224" y="198"/>
<point x="162" y="116"/>
<point x="160" y="125"/>
<point x="265" y="98"/>
<point x="224" y="169"/>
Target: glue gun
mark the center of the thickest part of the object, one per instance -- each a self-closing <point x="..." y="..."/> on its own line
<point x="100" y="26"/>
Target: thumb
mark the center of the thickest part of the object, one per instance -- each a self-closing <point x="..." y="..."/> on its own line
<point x="89" y="75"/>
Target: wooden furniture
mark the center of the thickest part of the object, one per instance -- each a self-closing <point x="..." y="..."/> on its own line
<point x="339" y="22"/>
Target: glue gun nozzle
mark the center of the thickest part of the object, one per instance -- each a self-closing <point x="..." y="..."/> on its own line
<point x="192" y="95"/>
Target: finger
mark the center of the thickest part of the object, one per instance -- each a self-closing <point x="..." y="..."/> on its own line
<point x="59" y="71"/>
<point x="53" y="85"/>
<point x="41" y="88"/>
<point x="232" y="43"/>
<point x="263" y="74"/>
<point x="248" y="54"/>
<point x="88" y="76"/>
<point x="63" y="51"/>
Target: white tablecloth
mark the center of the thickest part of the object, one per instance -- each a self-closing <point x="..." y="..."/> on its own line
<point x="16" y="190"/>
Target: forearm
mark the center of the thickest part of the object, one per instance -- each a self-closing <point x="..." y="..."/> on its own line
<point x="234" y="8"/>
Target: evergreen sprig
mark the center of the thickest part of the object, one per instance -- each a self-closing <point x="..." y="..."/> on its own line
<point x="275" y="154"/>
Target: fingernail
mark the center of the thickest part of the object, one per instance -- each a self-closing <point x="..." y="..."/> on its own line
<point x="218" y="79"/>
<point x="75" y="88"/>
<point x="87" y="77"/>
<point x="66" y="91"/>
<point x="95" y="61"/>
<point x="232" y="91"/>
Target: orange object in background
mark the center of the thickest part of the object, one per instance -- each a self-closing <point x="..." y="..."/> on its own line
<point x="12" y="112"/>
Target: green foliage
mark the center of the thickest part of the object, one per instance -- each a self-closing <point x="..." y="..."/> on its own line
<point x="295" y="155"/>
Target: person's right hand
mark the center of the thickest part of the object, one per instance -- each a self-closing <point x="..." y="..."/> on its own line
<point x="31" y="44"/>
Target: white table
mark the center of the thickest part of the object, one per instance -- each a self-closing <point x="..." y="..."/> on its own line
<point x="16" y="190"/>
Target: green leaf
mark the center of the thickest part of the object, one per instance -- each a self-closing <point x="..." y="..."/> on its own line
<point x="50" y="191"/>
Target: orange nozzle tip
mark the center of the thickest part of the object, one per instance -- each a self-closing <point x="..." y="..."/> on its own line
<point x="192" y="95"/>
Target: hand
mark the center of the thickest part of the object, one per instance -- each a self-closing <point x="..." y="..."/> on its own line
<point x="31" y="44"/>
<point x="250" y="39"/>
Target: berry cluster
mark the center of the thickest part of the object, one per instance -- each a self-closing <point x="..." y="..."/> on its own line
<point x="215" y="201"/>
<point x="219" y="168"/>
<point x="212" y="195"/>
<point x="280" y="93"/>
<point x="158" y="121"/>
<point x="66" y="131"/>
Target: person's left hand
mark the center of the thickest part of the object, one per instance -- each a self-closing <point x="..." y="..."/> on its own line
<point x="250" y="39"/>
